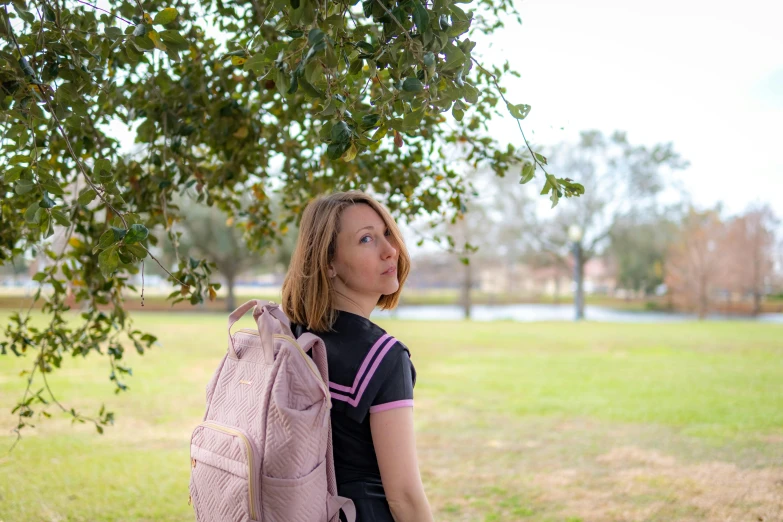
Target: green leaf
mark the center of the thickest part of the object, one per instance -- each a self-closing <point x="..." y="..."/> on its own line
<point x="553" y="186"/>
<point x="23" y="186"/>
<point x="166" y="16"/>
<point x="155" y="37"/>
<point x="114" y="32"/>
<point x="294" y="85"/>
<point x="256" y="63"/>
<point x="20" y="158"/>
<point x="12" y="174"/>
<point x="470" y="93"/>
<point x="173" y="54"/>
<point x="380" y="132"/>
<point x="109" y="260"/>
<point x="341" y="133"/>
<point x="46" y="225"/>
<point x="314" y="36"/>
<point x="60" y="218"/>
<point x="541" y="159"/>
<point x="458" y="111"/>
<point x="308" y="88"/>
<point x="27" y="16"/>
<point x="528" y="172"/>
<point x="49" y="13"/>
<point x="173" y="39"/>
<point x="337" y="149"/>
<point x="33" y="214"/>
<point x="421" y="17"/>
<point x="137" y="232"/>
<point x="137" y="250"/>
<point x="412" y="84"/>
<point x="366" y="47"/>
<point x="370" y="120"/>
<point x="53" y="187"/>
<point x="144" y="43"/>
<point x="102" y="165"/>
<point x="356" y="66"/>
<point x="520" y="111"/>
<point x="118" y="233"/>
<point x="106" y="239"/>
<point x="350" y="153"/>
<point x="455" y="58"/>
<point x="86" y="196"/>
<point x="412" y="120"/>
<point x="46" y="201"/>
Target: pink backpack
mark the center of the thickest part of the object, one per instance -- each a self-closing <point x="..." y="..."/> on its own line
<point x="264" y="450"/>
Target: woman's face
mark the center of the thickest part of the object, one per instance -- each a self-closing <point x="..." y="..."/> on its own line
<point x="365" y="262"/>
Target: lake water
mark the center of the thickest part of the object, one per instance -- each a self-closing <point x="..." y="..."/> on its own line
<point x="544" y="312"/>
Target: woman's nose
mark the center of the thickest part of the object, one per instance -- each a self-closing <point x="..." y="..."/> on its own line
<point x="390" y="250"/>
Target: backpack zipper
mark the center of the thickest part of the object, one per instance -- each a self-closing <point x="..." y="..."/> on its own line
<point x="310" y="363"/>
<point x="251" y="474"/>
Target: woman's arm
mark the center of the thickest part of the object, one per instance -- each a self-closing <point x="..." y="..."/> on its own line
<point x="395" y="447"/>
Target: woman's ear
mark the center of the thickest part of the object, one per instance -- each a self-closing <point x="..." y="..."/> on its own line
<point x="331" y="272"/>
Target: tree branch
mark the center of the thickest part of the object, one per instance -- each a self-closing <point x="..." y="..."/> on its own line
<point x="161" y="266"/>
<point x="500" y="92"/>
<point x="405" y="31"/>
<point x="107" y="12"/>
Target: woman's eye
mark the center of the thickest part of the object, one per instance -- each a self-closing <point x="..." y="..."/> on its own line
<point x="388" y="232"/>
<point x="362" y="240"/>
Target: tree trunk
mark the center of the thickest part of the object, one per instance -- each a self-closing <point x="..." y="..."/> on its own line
<point x="230" y="299"/>
<point x="703" y="299"/>
<point x="756" y="302"/>
<point x="556" y="297"/>
<point x="580" y="288"/>
<point x="467" y="282"/>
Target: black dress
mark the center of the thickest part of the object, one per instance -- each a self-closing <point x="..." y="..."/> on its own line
<point x="369" y="371"/>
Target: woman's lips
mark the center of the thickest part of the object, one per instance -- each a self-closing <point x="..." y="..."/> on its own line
<point x="390" y="271"/>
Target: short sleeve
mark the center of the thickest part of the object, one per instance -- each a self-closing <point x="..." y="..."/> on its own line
<point x="397" y="389"/>
<point x="385" y="382"/>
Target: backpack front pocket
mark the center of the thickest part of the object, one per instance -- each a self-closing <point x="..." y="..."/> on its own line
<point x="296" y="500"/>
<point x="224" y="481"/>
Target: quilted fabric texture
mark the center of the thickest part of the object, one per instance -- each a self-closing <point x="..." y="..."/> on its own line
<point x="263" y="452"/>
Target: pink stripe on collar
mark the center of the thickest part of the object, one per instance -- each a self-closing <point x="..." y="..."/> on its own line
<point x="362" y="369"/>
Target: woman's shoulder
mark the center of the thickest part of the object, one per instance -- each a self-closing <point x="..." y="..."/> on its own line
<point x="366" y="364"/>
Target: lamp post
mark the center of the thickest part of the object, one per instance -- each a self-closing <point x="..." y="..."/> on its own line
<point x="575" y="235"/>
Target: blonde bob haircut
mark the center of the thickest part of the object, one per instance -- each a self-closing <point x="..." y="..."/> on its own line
<point x="308" y="293"/>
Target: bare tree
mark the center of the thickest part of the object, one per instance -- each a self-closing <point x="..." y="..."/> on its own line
<point x="748" y="251"/>
<point x="619" y="178"/>
<point x="694" y="264"/>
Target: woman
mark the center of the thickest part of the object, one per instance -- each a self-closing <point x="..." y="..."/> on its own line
<point x="349" y="259"/>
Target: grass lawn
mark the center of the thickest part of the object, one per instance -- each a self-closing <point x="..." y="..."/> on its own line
<point x="533" y="422"/>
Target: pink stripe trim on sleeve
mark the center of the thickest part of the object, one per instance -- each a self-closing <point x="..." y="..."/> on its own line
<point x="391" y="405"/>
<point x="353" y="402"/>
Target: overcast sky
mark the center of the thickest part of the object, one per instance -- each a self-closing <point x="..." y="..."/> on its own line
<point x="706" y="75"/>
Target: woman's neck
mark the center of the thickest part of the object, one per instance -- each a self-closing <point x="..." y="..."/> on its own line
<point x="363" y="307"/>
